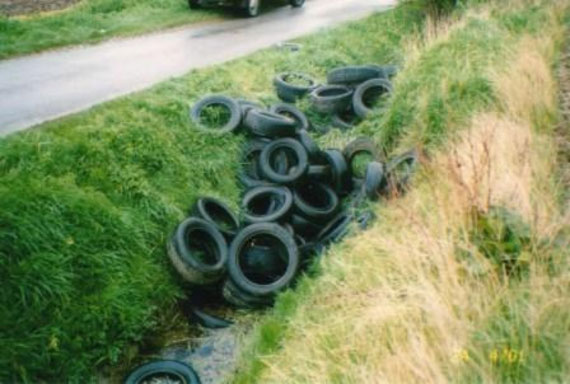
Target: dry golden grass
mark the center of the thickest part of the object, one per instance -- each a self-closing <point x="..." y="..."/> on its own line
<point x="396" y="305"/>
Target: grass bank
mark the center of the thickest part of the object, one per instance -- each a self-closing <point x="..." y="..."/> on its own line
<point x="466" y="278"/>
<point x="86" y="203"/>
<point x="91" y="21"/>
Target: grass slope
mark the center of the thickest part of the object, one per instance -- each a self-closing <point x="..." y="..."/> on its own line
<point x="87" y="202"/>
<point x="428" y="294"/>
<point x="91" y="21"/>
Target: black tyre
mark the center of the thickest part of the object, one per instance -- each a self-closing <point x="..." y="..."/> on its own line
<point x="331" y="99"/>
<point x="335" y="230"/>
<point x="246" y="105"/>
<point x="198" y="251"/>
<point x="345" y="120"/>
<point x="268" y="124"/>
<point x="219" y="214"/>
<point x="313" y="150"/>
<point x="260" y="260"/>
<point x="352" y="75"/>
<point x="233" y="108"/>
<point x="340" y="175"/>
<point x="175" y="371"/>
<point x="315" y="201"/>
<point x="297" y="3"/>
<point x="399" y="170"/>
<point x="353" y="152"/>
<point x="292" y="112"/>
<point x="319" y="172"/>
<point x="250" y="174"/>
<point x="297" y="161"/>
<point x="209" y="321"/>
<point x="375" y="180"/>
<point x="367" y="94"/>
<point x="291" y="86"/>
<point x="282" y="244"/>
<point x="266" y="204"/>
<point x="304" y="227"/>
<point x="238" y="298"/>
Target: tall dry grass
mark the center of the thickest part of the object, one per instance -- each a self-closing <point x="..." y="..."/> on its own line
<point x="396" y="304"/>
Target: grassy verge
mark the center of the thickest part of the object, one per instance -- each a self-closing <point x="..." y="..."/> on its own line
<point x="465" y="279"/>
<point x="86" y="203"/>
<point x="92" y="21"/>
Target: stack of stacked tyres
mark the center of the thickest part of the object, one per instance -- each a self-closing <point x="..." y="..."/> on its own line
<point x="298" y="198"/>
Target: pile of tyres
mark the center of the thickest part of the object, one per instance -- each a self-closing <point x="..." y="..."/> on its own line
<point x="298" y="198"/>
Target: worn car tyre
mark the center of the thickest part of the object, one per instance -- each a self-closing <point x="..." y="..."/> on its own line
<point x="163" y="369"/>
<point x="240" y="299"/>
<point x="290" y="92"/>
<point x="359" y="100"/>
<point x="297" y="3"/>
<point x="345" y="120"/>
<point x="209" y="321"/>
<point x="246" y="105"/>
<point x="304" y="227"/>
<point x="266" y="204"/>
<point x="375" y="180"/>
<point x="282" y="244"/>
<point x="340" y="173"/>
<point x="313" y="150"/>
<point x="250" y="174"/>
<point x="217" y="213"/>
<point x="399" y="170"/>
<point x="315" y="201"/>
<point x="359" y="146"/>
<point x="335" y="230"/>
<point x="230" y="104"/>
<point x="198" y="251"/>
<point x="292" y="112"/>
<point x="331" y="99"/>
<point x="268" y="124"/>
<point x="354" y="74"/>
<point x="298" y="161"/>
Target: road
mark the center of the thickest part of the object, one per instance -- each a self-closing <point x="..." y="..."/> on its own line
<point x="45" y="86"/>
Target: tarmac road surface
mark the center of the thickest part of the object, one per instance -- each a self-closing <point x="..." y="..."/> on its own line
<point x="45" y="86"/>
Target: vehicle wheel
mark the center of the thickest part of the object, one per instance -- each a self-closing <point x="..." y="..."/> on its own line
<point x="194" y="4"/>
<point x="340" y="174"/>
<point x="219" y="214"/>
<point x="266" y="204"/>
<point x="269" y="124"/>
<point x="163" y="371"/>
<point x="367" y="93"/>
<point x="292" y="112"/>
<point x="282" y="245"/>
<point x="298" y="161"/>
<point x="297" y="3"/>
<point x="198" y="251"/>
<point x="315" y="201"/>
<point x="336" y="229"/>
<point x="330" y="99"/>
<point x="252" y="8"/>
<point x="230" y="105"/>
<point x="375" y="180"/>
<point x="354" y="74"/>
<point x="238" y="298"/>
<point x="291" y="86"/>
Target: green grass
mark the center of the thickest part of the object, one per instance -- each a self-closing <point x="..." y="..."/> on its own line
<point x="440" y="90"/>
<point x="91" y="21"/>
<point x="87" y="203"/>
